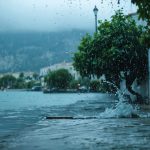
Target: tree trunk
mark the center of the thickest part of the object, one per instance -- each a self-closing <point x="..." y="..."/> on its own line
<point x="129" y="81"/>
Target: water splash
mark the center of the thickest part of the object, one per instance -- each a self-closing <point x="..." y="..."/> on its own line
<point x="122" y="109"/>
<point x="119" y="93"/>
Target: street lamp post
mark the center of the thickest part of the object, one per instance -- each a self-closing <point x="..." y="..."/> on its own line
<point x="95" y="10"/>
<point x="149" y="75"/>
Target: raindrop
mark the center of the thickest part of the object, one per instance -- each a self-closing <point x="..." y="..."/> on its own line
<point x="33" y="5"/>
<point x="46" y="5"/>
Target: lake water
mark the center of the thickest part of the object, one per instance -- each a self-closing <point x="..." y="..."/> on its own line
<point x="23" y="125"/>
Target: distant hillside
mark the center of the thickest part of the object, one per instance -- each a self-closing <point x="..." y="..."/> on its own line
<point x="32" y="51"/>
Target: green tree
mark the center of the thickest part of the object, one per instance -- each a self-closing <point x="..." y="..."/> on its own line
<point x="19" y="84"/>
<point x="21" y="75"/>
<point x="144" y="13"/>
<point x="84" y="81"/>
<point x="74" y="84"/>
<point x="30" y="84"/>
<point x="58" y="79"/>
<point x="35" y="76"/>
<point x="116" y="51"/>
<point x="95" y="85"/>
<point x="143" y="9"/>
<point x="83" y="58"/>
<point x="7" y="81"/>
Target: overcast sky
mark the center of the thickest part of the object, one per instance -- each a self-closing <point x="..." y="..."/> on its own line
<point x="55" y="15"/>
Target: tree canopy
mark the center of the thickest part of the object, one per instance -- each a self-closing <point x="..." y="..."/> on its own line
<point x="143" y="9"/>
<point x="7" y="81"/>
<point x="58" y="79"/>
<point x="144" y="13"/>
<point x="116" y="51"/>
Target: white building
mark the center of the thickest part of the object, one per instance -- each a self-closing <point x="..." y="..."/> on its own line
<point x="68" y="66"/>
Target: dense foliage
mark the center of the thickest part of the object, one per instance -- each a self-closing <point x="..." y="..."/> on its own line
<point x="58" y="79"/>
<point x="144" y="13"/>
<point x="8" y="81"/>
<point x="143" y="9"/>
<point x="95" y="85"/>
<point x="115" y="51"/>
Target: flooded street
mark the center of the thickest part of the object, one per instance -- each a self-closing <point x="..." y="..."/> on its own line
<point x="59" y="62"/>
<point x="23" y="124"/>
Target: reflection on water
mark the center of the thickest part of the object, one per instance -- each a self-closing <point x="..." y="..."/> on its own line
<point x="23" y="124"/>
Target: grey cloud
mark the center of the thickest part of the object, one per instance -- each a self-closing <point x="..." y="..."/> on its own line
<point x="52" y="15"/>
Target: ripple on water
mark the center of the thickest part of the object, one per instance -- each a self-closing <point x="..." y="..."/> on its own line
<point x="35" y="132"/>
<point x="83" y="134"/>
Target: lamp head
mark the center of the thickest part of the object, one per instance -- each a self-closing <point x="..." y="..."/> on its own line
<point x="95" y="10"/>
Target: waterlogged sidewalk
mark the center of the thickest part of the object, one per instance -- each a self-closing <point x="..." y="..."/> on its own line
<point x="91" y="134"/>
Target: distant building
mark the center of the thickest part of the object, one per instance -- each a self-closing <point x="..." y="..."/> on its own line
<point x="26" y="74"/>
<point x="68" y="66"/>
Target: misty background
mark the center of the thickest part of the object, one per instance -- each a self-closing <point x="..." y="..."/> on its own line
<point x="38" y="33"/>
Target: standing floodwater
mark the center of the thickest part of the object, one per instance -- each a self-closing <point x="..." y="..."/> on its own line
<point x="23" y="124"/>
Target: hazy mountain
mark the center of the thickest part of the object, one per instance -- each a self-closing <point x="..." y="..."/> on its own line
<point x="32" y="51"/>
